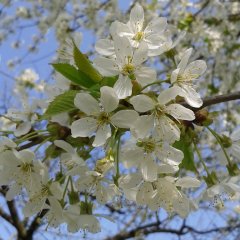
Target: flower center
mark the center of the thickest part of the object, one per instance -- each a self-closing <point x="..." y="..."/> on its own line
<point x="128" y="69"/>
<point x="103" y="118"/>
<point x="26" y="167"/>
<point x="45" y="191"/>
<point x="138" y="36"/>
<point x="226" y="141"/>
<point x="148" y="145"/>
<point x="186" y="78"/>
<point x="159" y="110"/>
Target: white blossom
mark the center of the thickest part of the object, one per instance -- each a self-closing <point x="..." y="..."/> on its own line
<point x="128" y="65"/>
<point x="185" y="74"/>
<point x="159" y="121"/>
<point x="99" y="116"/>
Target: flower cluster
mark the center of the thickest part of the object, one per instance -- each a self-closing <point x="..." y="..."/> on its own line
<point x="110" y="105"/>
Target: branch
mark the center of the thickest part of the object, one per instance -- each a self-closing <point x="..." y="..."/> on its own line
<point x="15" y="220"/>
<point x="36" y="223"/>
<point x="5" y="216"/>
<point x="183" y="230"/>
<point x="208" y="101"/>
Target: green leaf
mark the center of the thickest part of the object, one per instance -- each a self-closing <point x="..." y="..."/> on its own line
<point x="109" y="81"/>
<point x="62" y="103"/>
<point x="85" y="66"/>
<point x="74" y="75"/>
<point x="185" y="145"/>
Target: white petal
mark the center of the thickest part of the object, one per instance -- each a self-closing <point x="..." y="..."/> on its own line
<point x="143" y="126"/>
<point x="196" y="69"/>
<point x="64" y="145"/>
<point x="120" y="29"/>
<point x="142" y="103"/>
<point x="178" y="39"/>
<point x="33" y="207"/>
<point x="130" y="180"/>
<point x="145" y="75"/>
<point x="169" y="94"/>
<point x="108" y="99"/>
<point x="192" y="97"/>
<point x="174" y="75"/>
<point x="170" y="155"/>
<point x="181" y="205"/>
<point x="87" y="104"/>
<point x="102" y="134"/>
<point x="165" y="168"/>
<point x="83" y="127"/>
<point x="157" y="25"/>
<point x="184" y="61"/>
<point x="105" y="47"/>
<point x="123" y="50"/>
<point x="235" y="150"/>
<point x="136" y="18"/>
<point x="132" y="157"/>
<point x="149" y="169"/>
<point x="101" y="194"/>
<point x="107" y="67"/>
<point x="123" y="87"/>
<point x="90" y="223"/>
<point x="26" y="155"/>
<point x="130" y="193"/>
<point x="22" y="129"/>
<point x="180" y="112"/>
<point x="188" y="182"/>
<point x="167" y="129"/>
<point x="124" y="118"/>
<point x="56" y="190"/>
<point x="14" y="190"/>
<point x="140" y="54"/>
<point x="235" y="136"/>
<point x="144" y="193"/>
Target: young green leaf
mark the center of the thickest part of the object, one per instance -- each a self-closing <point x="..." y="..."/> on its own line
<point x="62" y="103"/>
<point x="85" y="66"/>
<point x="74" y="75"/>
<point x="185" y="145"/>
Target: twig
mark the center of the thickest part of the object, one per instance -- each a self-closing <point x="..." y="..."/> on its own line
<point x="215" y="100"/>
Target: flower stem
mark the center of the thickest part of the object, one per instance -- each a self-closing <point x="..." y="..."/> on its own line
<point x="65" y="189"/>
<point x="31" y="134"/>
<point x="117" y="149"/>
<point x="200" y="158"/>
<point x="221" y="145"/>
<point x="44" y="141"/>
<point x="154" y="83"/>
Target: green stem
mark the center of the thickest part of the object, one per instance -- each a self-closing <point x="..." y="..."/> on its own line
<point x="117" y="149"/>
<point x="26" y="136"/>
<point x="44" y="141"/>
<point x="71" y="182"/>
<point x="65" y="189"/>
<point x="8" y="132"/>
<point x="221" y="145"/>
<point x="117" y="156"/>
<point x="8" y="118"/>
<point x="200" y="158"/>
<point x="154" y="83"/>
<point x="86" y="197"/>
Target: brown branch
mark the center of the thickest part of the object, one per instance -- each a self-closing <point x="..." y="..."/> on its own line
<point x="15" y="219"/>
<point x="36" y="223"/>
<point x="208" y="101"/>
<point x="183" y="230"/>
<point x="5" y="216"/>
<point x="202" y="8"/>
